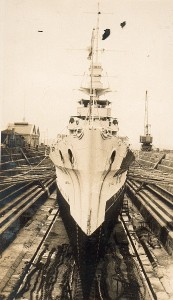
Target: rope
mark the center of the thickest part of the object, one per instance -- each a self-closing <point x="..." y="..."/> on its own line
<point x="31" y="168"/>
<point x="46" y="173"/>
<point x="29" y="179"/>
<point x="149" y="178"/>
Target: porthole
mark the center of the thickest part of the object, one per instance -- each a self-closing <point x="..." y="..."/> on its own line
<point x="71" y="120"/>
<point x="115" y="122"/>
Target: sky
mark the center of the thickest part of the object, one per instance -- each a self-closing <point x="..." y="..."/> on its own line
<point x="42" y="71"/>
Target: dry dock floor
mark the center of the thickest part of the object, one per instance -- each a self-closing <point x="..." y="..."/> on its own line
<point x="118" y="268"/>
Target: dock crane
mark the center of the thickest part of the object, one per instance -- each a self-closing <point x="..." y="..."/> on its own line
<point x="146" y="139"/>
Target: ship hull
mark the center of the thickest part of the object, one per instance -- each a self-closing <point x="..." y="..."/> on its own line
<point x="89" y="249"/>
<point x="89" y="173"/>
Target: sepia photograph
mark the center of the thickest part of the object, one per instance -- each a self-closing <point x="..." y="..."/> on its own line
<point x="86" y="156"/>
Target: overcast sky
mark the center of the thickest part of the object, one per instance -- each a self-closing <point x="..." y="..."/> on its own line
<point x="42" y="71"/>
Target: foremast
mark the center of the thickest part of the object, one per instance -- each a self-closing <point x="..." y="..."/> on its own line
<point x="94" y="111"/>
<point x="95" y="87"/>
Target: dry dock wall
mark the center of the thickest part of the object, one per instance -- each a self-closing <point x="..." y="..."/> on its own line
<point x="158" y="220"/>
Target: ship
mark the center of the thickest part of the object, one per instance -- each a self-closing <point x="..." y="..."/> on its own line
<point x="91" y="163"/>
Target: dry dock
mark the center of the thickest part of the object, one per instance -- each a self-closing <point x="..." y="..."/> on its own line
<point x="37" y="260"/>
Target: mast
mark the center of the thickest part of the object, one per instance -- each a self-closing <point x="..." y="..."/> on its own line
<point x="94" y="61"/>
<point x="91" y="66"/>
<point x="94" y="88"/>
<point x="95" y="109"/>
<point x="97" y="32"/>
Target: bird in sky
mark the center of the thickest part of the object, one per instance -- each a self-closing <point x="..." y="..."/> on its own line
<point x="106" y="34"/>
<point x="123" y="24"/>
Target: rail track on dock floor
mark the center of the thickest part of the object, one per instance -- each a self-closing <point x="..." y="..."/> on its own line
<point x="40" y="268"/>
<point x="145" y="289"/>
<point x="52" y="273"/>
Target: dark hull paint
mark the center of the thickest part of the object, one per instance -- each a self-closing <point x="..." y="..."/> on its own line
<point x="89" y="249"/>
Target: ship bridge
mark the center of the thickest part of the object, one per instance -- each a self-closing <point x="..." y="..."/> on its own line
<point x="96" y="114"/>
<point x="97" y="108"/>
